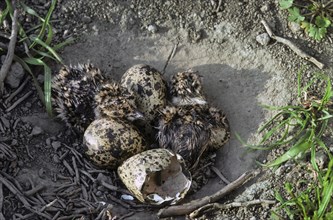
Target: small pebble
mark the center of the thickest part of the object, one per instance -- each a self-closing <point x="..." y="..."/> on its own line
<point x="15" y="75"/>
<point x="5" y="121"/>
<point x="36" y="131"/>
<point x="264" y="8"/>
<point x="86" y="19"/>
<point x="152" y="28"/>
<point x="263" y="39"/>
<point x="294" y="27"/>
<point x="56" y="145"/>
<point x="321" y="159"/>
<point x="48" y="141"/>
<point x="127" y="197"/>
<point x="279" y="171"/>
<point x="56" y="158"/>
<point x="41" y="172"/>
<point x="99" y="194"/>
<point x="14" y="142"/>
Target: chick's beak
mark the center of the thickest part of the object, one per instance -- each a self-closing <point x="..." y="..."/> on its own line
<point x="135" y="115"/>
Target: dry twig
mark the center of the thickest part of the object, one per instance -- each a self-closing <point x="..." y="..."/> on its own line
<point x="209" y="207"/>
<point x="18" y="90"/>
<point x="171" y="55"/>
<point x="222" y="177"/>
<point x="292" y="46"/>
<point x="15" y="191"/>
<point x="34" y="190"/>
<point x="195" y="204"/>
<point x="19" y="101"/>
<point x="11" y="48"/>
<point x="1" y="202"/>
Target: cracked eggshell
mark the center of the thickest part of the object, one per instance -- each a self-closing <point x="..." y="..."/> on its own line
<point x="156" y="176"/>
<point x="109" y="142"/>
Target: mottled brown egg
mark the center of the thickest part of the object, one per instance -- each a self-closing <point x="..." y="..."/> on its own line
<point x="156" y="176"/>
<point x="149" y="88"/>
<point x="110" y="141"/>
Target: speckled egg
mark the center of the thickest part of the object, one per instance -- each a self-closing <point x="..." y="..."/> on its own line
<point x="108" y="142"/>
<point x="149" y="87"/>
<point x="156" y="176"/>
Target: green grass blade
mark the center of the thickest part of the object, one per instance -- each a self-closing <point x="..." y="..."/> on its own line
<point x="55" y="54"/>
<point x="10" y="7"/>
<point x="49" y="35"/>
<point x="301" y="146"/>
<point x="31" y="11"/>
<point x="62" y="44"/>
<point x="47" y="82"/>
<point x="270" y="121"/>
<point x="4" y="14"/>
<point x="47" y="89"/>
<point x="45" y="22"/>
<point x="43" y="55"/>
<point x="327" y="192"/>
<point x="272" y="131"/>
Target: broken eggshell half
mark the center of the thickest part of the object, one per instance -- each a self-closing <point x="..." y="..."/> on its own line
<point x="156" y="176"/>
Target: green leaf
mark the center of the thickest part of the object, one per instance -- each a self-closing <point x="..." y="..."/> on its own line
<point x="295" y="15"/>
<point x="47" y="82"/>
<point x="39" y="41"/>
<point x="305" y="25"/>
<point x="322" y="22"/>
<point x="317" y="33"/>
<point x="62" y="44"/>
<point x="30" y="11"/>
<point x="301" y="146"/>
<point x="285" y="4"/>
<point x="45" y="22"/>
<point x="327" y="192"/>
<point x="3" y="14"/>
<point x="47" y="89"/>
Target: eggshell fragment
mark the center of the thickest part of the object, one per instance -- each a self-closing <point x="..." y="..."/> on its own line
<point x="156" y="176"/>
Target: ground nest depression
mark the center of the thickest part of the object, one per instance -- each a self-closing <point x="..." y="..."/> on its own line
<point x="43" y="173"/>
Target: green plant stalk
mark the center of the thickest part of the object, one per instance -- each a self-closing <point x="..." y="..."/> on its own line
<point x="46" y="25"/>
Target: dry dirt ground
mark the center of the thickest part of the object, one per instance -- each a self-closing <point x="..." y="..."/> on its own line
<point x="216" y="38"/>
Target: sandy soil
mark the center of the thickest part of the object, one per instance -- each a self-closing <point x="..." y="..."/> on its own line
<point x="219" y="41"/>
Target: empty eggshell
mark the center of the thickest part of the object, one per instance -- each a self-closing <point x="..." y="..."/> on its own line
<point x="156" y="176"/>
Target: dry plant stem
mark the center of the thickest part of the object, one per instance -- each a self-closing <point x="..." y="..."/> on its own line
<point x="11" y="48"/>
<point x="77" y="176"/>
<point x="292" y="46"/>
<point x="171" y="55"/>
<point x="114" y="188"/>
<point x="15" y="191"/>
<point x="222" y="177"/>
<point x="1" y="202"/>
<point x="126" y="215"/>
<point x="195" y="204"/>
<point x="17" y="91"/>
<point x="208" y="208"/>
<point x="34" y="190"/>
<point x="19" y="101"/>
<point x="218" y="6"/>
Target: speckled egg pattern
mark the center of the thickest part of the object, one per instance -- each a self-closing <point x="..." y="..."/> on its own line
<point x="133" y="171"/>
<point x="109" y="142"/>
<point x="149" y="86"/>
